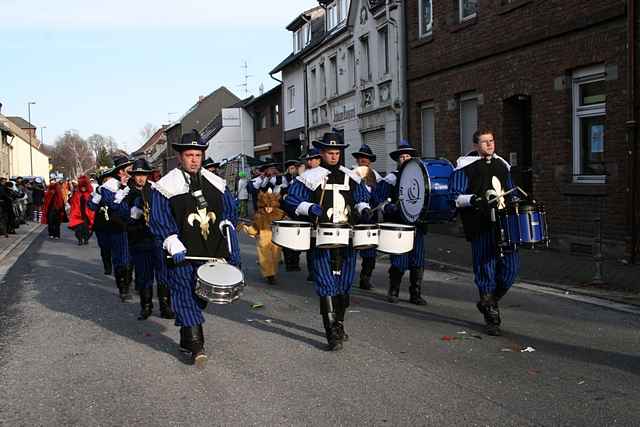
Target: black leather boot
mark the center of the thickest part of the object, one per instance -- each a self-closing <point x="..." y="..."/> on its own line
<point x="192" y="341"/>
<point x="489" y="309"/>
<point x="415" y="288"/>
<point x="146" y="303"/>
<point x="105" y="254"/>
<point x="368" y="264"/>
<point x="499" y="293"/>
<point x="329" y="321"/>
<point x="340" y="305"/>
<point x="126" y="288"/>
<point x="395" y="278"/>
<point x="121" y="277"/>
<point x="164" y="301"/>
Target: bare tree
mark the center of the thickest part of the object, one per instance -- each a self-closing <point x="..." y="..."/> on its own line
<point x="72" y="155"/>
<point x="147" y="131"/>
<point x="102" y="147"/>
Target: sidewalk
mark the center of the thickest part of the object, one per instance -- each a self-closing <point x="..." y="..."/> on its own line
<point x="546" y="267"/>
<point x="7" y="244"/>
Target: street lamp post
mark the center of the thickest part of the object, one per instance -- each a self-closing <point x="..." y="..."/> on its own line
<point x="42" y="134"/>
<point x="29" y="104"/>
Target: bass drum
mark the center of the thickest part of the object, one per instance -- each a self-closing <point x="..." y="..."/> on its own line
<point x="423" y="191"/>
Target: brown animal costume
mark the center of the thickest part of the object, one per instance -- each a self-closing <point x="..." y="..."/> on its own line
<point x="268" y="253"/>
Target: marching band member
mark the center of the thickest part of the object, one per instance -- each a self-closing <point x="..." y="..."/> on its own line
<point x="269" y="178"/>
<point x="311" y="161"/>
<point x="470" y="185"/>
<point x="211" y="166"/>
<point x="291" y="257"/>
<point x="101" y="225"/>
<point x="346" y="195"/>
<point x="364" y="157"/>
<point x="193" y="214"/>
<point x="414" y="260"/>
<point x="146" y="254"/>
<point x="111" y="193"/>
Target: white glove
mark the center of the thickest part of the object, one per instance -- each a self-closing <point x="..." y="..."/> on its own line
<point x="95" y="198"/>
<point x="273" y="180"/>
<point x="136" y="212"/>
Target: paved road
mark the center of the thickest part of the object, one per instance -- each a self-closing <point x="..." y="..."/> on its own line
<point x="72" y="354"/>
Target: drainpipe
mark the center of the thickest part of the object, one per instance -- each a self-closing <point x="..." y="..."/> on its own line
<point x="398" y="104"/>
<point x="632" y="125"/>
<point x="281" y="118"/>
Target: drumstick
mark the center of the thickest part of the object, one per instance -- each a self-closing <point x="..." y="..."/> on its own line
<point x="199" y="258"/>
<point x="381" y="205"/>
<point x="502" y="195"/>
<point x="324" y="181"/>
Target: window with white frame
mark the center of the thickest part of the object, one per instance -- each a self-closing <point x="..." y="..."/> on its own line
<point x="468" y="121"/>
<point x="301" y="38"/>
<point x="589" y="116"/>
<point x="426" y="17"/>
<point x="467" y="9"/>
<point x="344" y="10"/>
<point x="291" y="98"/>
<point x="332" y="16"/>
<point x="428" y="130"/>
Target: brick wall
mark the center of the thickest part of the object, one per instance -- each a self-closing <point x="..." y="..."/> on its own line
<point x="528" y="50"/>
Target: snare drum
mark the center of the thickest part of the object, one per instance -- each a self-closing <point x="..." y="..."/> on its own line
<point x="294" y="235"/>
<point x="330" y="235"/>
<point x="523" y="223"/>
<point x="423" y="191"/>
<point x="219" y="283"/>
<point x="396" y="238"/>
<point x="365" y="236"/>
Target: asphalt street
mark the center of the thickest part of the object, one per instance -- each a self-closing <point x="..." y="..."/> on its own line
<point x="72" y="354"/>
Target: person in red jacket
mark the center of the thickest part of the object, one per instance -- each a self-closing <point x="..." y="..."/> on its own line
<point x="53" y="210"/>
<point x="80" y="216"/>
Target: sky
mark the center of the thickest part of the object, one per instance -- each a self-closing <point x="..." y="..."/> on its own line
<point x="112" y="67"/>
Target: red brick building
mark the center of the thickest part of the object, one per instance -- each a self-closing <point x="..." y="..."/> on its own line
<point x="267" y="119"/>
<point x="551" y="79"/>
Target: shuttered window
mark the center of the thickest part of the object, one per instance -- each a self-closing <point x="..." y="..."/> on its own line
<point x="376" y="141"/>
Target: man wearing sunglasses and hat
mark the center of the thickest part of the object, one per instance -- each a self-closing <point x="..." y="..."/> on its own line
<point x="193" y="214"/>
<point x="146" y="251"/>
<point x="331" y="193"/>
<point x="365" y="157"/>
<point x="414" y="260"/>
<point x="108" y="196"/>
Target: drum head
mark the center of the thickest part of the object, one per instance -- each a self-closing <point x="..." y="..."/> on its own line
<point x="221" y="274"/>
<point x="292" y="223"/>
<point x="413" y="190"/>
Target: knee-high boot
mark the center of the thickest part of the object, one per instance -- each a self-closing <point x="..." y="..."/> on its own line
<point x="368" y="264"/>
<point x="105" y="254"/>
<point x="395" y="278"/>
<point x="164" y="300"/>
<point x="128" y="278"/>
<point x="329" y="321"/>
<point x="415" y="287"/>
<point x="120" y="275"/>
<point x="192" y="341"/>
<point x="146" y="303"/>
<point x="340" y="304"/>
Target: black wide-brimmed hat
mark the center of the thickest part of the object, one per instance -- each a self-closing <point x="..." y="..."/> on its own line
<point x="292" y="162"/>
<point x="267" y="164"/>
<point x="365" y="151"/>
<point x="331" y="140"/>
<point x="313" y="153"/>
<point x="119" y="162"/>
<point x="209" y="163"/>
<point x="190" y="141"/>
<point x="403" y="148"/>
<point x="141" y="167"/>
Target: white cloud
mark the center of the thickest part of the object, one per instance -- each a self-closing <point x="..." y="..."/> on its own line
<point x="141" y="14"/>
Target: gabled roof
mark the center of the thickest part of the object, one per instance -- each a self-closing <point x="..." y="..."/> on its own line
<point x="195" y="106"/>
<point x="15" y="130"/>
<point x="264" y="95"/>
<point x="215" y="125"/>
<point x="301" y="19"/>
<point x="21" y="123"/>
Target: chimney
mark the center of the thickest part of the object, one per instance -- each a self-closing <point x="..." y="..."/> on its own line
<point x="200" y="98"/>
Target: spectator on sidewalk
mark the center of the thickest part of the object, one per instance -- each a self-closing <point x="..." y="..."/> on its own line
<point x="5" y="208"/>
<point x="38" y="199"/>
<point x="53" y="210"/>
<point x="80" y="216"/>
<point x="243" y="195"/>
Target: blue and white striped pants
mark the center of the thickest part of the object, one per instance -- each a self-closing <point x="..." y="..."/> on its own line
<point x="120" y="250"/>
<point x="413" y="259"/>
<point x="148" y="264"/>
<point x="492" y="271"/>
<point x="182" y="282"/>
<point x="327" y="283"/>
<point x="104" y="240"/>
